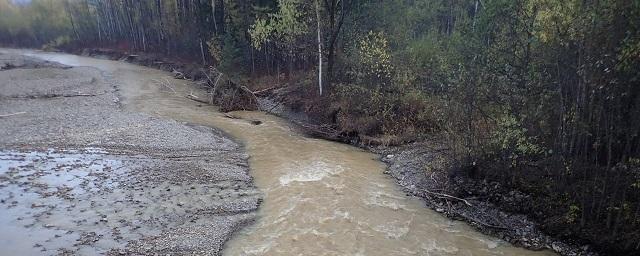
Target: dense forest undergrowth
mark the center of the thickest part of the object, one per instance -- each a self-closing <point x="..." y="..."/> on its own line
<point x="541" y="96"/>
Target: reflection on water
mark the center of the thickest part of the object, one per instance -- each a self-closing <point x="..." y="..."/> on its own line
<point x="320" y="197"/>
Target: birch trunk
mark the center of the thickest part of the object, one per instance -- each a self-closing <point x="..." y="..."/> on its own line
<point x="319" y="49"/>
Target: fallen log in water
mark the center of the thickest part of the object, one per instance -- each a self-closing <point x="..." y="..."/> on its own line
<point x="229" y="94"/>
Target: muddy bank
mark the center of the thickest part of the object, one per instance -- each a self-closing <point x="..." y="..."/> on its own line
<point x="81" y="175"/>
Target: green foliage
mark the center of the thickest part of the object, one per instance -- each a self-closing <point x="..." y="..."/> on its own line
<point x="227" y="54"/>
<point x="572" y="213"/>
<point x="402" y="113"/>
<point x="40" y="22"/>
<point x="513" y="140"/>
<point x="374" y="59"/>
<point x="283" y="27"/>
<point x="59" y="42"/>
<point x="261" y="32"/>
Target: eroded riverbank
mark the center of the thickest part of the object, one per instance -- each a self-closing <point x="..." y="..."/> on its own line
<point x="320" y="197"/>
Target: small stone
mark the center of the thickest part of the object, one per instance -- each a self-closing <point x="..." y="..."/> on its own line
<point x="556" y="247"/>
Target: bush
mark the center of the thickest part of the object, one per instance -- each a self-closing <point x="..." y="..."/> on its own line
<point x="374" y="112"/>
<point x="60" y="42"/>
<point x="227" y="54"/>
<point x="512" y="142"/>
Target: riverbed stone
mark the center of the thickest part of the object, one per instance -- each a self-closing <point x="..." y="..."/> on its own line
<point x="82" y="175"/>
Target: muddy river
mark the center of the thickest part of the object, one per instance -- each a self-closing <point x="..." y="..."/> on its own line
<point x="320" y="197"/>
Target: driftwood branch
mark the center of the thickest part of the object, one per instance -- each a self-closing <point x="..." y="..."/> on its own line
<point x="252" y="94"/>
<point x="448" y="196"/>
<point x="195" y="98"/>
<point x="324" y="130"/>
<point x="230" y="116"/>
<point x="55" y="95"/>
<point x="13" y="114"/>
<point x="259" y="92"/>
<point x="167" y="84"/>
<point x="177" y="74"/>
<point x="207" y="75"/>
<point x="212" y="84"/>
<point x="441" y="195"/>
<point x="228" y="94"/>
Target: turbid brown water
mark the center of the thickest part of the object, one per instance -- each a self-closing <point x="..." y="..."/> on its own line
<point x="320" y="197"/>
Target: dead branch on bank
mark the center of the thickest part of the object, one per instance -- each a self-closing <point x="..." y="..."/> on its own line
<point x="325" y="131"/>
<point x="13" y="114"/>
<point x="54" y="95"/>
<point x="263" y="91"/>
<point x="230" y="116"/>
<point x="177" y="74"/>
<point x="441" y="195"/>
<point x="167" y="84"/>
<point x="228" y="94"/>
<point x="196" y="99"/>
<point x="448" y="196"/>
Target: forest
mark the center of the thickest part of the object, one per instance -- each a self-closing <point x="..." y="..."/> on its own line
<point x="542" y="96"/>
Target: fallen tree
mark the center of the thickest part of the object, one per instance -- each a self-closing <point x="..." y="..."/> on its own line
<point x="228" y="94"/>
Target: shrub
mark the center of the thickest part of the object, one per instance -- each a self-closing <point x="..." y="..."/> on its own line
<point x="58" y="43"/>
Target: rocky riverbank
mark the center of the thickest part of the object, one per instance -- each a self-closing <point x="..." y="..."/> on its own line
<point x="424" y="170"/>
<point x="81" y="175"/>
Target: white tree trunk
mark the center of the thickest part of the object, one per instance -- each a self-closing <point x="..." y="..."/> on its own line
<point x="213" y="15"/>
<point x="319" y="49"/>
<point x="204" y="61"/>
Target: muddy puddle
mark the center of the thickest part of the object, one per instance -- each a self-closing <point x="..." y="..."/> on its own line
<point x="320" y="197"/>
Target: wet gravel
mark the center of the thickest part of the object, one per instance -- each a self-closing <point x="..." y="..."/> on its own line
<point x="12" y="61"/>
<point x="80" y="175"/>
